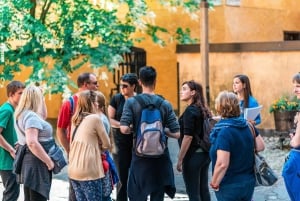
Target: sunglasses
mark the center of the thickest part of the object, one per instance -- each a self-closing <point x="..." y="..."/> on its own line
<point x="94" y="83"/>
<point x="124" y="86"/>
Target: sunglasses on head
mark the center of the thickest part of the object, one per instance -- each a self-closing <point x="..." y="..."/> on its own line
<point x="124" y="86"/>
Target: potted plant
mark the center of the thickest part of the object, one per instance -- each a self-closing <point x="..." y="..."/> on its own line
<point x="284" y="110"/>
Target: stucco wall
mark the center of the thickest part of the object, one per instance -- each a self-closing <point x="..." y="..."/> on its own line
<point x="270" y="74"/>
<point x="253" y="21"/>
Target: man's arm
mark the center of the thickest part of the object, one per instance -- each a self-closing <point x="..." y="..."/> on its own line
<point x="111" y="114"/>
<point x="127" y="118"/>
<point x="61" y="135"/>
<point x="175" y="135"/>
<point x="5" y="145"/>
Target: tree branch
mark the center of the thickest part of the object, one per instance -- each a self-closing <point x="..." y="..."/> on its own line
<point x="32" y="9"/>
<point x="45" y="10"/>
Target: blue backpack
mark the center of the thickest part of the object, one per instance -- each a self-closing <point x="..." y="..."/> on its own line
<point x="151" y="140"/>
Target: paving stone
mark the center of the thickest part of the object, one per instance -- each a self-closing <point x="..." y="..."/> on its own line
<point x="273" y="154"/>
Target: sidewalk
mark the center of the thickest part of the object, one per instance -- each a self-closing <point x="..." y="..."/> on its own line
<point x="274" y="156"/>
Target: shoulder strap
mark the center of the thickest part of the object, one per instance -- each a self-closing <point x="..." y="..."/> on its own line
<point x="251" y="127"/>
<point x="74" y="132"/>
<point x="18" y="126"/>
<point x="71" y="99"/>
<point x="141" y="101"/>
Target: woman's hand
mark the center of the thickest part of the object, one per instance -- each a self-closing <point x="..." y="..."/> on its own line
<point x="179" y="166"/>
<point x="252" y="122"/>
<point x="50" y="165"/>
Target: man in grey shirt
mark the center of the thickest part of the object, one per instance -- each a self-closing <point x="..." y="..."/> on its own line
<point x="149" y="176"/>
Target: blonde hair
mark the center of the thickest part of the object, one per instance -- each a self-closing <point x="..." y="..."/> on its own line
<point x="85" y="106"/>
<point x="31" y="99"/>
<point x="227" y="104"/>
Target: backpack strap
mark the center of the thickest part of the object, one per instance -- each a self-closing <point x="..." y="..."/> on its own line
<point x="141" y="101"/>
<point x="157" y="104"/>
<point x="71" y="99"/>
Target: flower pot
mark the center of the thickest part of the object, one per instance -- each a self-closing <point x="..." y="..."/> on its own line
<point x="284" y="120"/>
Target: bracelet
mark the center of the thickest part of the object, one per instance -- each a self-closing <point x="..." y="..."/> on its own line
<point x="214" y="187"/>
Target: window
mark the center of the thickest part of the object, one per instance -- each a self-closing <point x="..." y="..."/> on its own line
<point x="291" y="35"/>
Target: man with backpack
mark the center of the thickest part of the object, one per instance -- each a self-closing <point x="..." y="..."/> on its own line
<point x="152" y="120"/>
<point x="85" y="81"/>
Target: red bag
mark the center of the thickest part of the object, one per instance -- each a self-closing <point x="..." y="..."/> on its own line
<point x="104" y="163"/>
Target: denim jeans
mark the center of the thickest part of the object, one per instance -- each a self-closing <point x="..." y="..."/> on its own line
<point x="195" y="175"/>
<point x="11" y="187"/>
<point x="122" y="158"/>
<point x="241" y="191"/>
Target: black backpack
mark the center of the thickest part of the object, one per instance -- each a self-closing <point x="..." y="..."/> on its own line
<point x="204" y="142"/>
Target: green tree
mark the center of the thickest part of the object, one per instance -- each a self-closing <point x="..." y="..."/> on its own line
<point x="75" y="32"/>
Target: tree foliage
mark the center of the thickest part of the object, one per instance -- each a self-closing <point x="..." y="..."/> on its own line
<point x="73" y="32"/>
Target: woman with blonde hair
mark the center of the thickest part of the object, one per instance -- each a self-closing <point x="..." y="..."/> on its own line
<point x="232" y="151"/>
<point x="36" y="133"/>
<point x="88" y="141"/>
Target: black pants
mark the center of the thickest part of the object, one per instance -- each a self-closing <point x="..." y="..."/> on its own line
<point x="122" y="159"/>
<point x="195" y="175"/>
<point x="157" y="196"/>
<point x="11" y="187"/>
<point x="72" y="196"/>
<point x="31" y="195"/>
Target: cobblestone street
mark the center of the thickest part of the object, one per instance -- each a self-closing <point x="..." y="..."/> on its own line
<point x="273" y="154"/>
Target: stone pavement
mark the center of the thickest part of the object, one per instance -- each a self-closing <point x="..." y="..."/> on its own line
<point x="274" y="156"/>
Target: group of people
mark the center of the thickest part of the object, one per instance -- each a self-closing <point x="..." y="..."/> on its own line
<point x="99" y="142"/>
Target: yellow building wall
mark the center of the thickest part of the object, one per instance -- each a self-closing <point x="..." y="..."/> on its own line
<point x="253" y="21"/>
<point x="270" y="74"/>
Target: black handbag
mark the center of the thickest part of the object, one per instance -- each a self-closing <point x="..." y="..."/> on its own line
<point x="264" y="175"/>
<point x="57" y="155"/>
<point x="18" y="161"/>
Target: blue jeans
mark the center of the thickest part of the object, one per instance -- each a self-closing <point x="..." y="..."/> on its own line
<point x="241" y="191"/>
<point x="195" y="175"/>
<point x="291" y="175"/>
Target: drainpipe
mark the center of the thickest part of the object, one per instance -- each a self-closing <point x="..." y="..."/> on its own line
<point x="204" y="48"/>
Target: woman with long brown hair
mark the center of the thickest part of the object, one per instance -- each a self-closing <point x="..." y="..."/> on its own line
<point x="88" y="141"/>
<point x="193" y="161"/>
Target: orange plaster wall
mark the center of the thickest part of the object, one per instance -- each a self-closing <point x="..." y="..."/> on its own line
<point x="270" y="75"/>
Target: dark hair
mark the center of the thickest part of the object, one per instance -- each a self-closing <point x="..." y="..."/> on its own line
<point x="247" y="89"/>
<point x="131" y="78"/>
<point x="227" y="104"/>
<point x="296" y="78"/>
<point x="198" y="98"/>
<point x="147" y="75"/>
<point x="13" y="87"/>
<point x="83" y="78"/>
